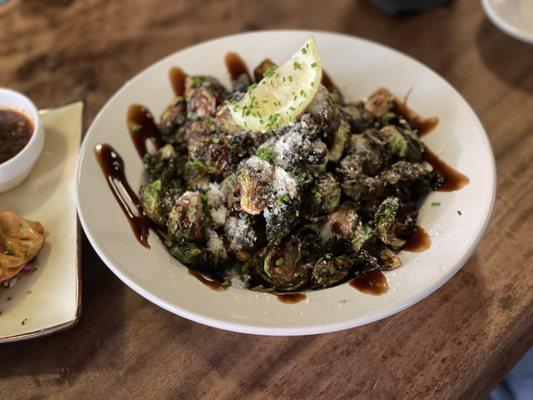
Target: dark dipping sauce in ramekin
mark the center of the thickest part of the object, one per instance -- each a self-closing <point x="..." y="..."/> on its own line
<point x="15" y="132"/>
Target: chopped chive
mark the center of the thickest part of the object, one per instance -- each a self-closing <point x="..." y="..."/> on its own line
<point x="459" y="212"/>
<point x="435" y="203"/>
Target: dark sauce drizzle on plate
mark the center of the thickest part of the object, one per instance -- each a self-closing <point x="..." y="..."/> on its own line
<point x="422" y="125"/>
<point x="236" y="66"/>
<point x="112" y="166"/>
<point x="418" y="242"/>
<point x="291" y="298"/>
<point x="143" y="127"/>
<point x="453" y="179"/>
<point x="210" y="283"/>
<point x="177" y="80"/>
<point x="372" y="282"/>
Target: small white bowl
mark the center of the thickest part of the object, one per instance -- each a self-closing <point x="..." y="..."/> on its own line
<point x="16" y="169"/>
<point x="514" y="17"/>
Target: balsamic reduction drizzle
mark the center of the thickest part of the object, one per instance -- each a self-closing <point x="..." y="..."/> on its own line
<point x="373" y="282"/>
<point x="143" y="127"/>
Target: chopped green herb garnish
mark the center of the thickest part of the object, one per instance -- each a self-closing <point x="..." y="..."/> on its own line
<point x="283" y="199"/>
<point x="296" y="65"/>
<point x="435" y="203"/>
<point x="136" y="127"/>
<point x="280" y="261"/>
<point x="23" y="322"/>
<point x="267" y="153"/>
<point x="313" y="65"/>
<point x="459" y="212"/>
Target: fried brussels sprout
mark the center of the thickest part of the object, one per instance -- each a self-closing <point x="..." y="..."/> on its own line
<point x="385" y="221"/>
<point x="324" y="196"/>
<point x="401" y="143"/>
<point x="330" y="270"/>
<point x="172" y="119"/>
<point x="362" y="188"/>
<point x="379" y="103"/>
<point x="389" y="260"/>
<point x="344" y="220"/>
<point x="215" y="202"/>
<point x="280" y="218"/>
<point x="323" y="111"/>
<point x="241" y="235"/>
<point x="363" y="155"/>
<point x="295" y="149"/>
<point x="410" y="180"/>
<point x="195" y="175"/>
<point x="287" y="266"/>
<point x="262" y="68"/>
<point x="186" y="218"/>
<point x="161" y="165"/>
<point x="215" y="245"/>
<point x="255" y="185"/>
<point x="203" y="94"/>
<point x="157" y="199"/>
<point x="192" y="255"/>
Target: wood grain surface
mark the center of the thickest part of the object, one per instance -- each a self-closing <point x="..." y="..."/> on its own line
<point x="455" y="344"/>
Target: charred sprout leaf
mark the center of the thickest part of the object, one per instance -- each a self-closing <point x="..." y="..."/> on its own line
<point x="363" y="155"/>
<point x="158" y="197"/>
<point x="364" y="237"/>
<point x="255" y="185"/>
<point x="344" y="221"/>
<point x="161" y="165"/>
<point x="324" y="196"/>
<point x="296" y="150"/>
<point x="287" y="266"/>
<point x="186" y="218"/>
<point x="385" y="221"/>
<point x="338" y="141"/>
<point x="192" y="255"/>
<point x="323" y="111"/>
<point x="379" y="103"/>
<point x="203" y="94"/>
<point x="215" y="245"/>
<point x="330" y="270"/>
<point x="402" y="143"/>
<point x="361" y="187"/>
<point x="241" y="235"/>
<point x="172" y="119"/>
<point x="195" y="175"/>
<point x="411" y="180"/>
<point x="389" y="259"/>
<point x="280" y="218"/>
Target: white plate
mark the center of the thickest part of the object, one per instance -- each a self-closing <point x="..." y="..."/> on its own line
<point x="514" y="17"/>
<point x="358" y="67"/>
<point x="48" y="300"/>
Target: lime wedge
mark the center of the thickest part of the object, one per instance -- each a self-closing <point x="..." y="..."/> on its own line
<point x="283" y="93"/>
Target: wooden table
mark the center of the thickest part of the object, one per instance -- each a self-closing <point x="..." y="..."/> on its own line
<point x="456" y="344"/>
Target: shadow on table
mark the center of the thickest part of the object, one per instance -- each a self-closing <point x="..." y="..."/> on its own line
<point x="277" y="361"/>
<point x="504" y="56"/>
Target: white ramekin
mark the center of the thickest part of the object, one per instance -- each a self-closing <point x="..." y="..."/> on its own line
<point x="16" y="169"/>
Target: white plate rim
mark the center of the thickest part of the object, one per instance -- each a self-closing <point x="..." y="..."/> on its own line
<point x="285" y="331"/>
